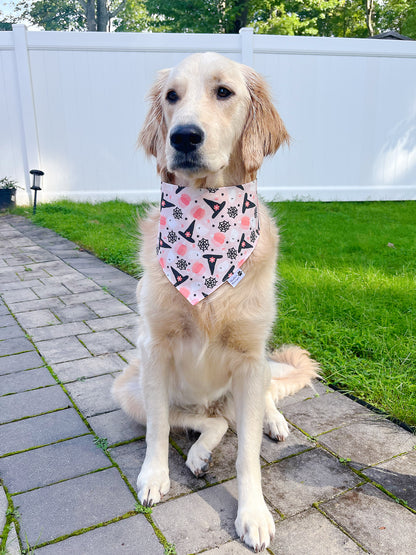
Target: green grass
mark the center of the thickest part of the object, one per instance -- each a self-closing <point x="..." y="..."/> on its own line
<point x="347" y="289"/>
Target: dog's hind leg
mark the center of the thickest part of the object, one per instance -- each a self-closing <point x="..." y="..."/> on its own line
<point x="274" y="423"/>
<point x="212" y="430"/>
<point x="127" y="391"/>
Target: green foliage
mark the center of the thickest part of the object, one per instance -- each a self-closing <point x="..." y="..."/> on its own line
<point x="338" y="18"/>
<point x="133" y="17"/>
<point x="101" y="442"/>
<point x="13" y="512"/>
<point x="139" y="508"/>
<point x="109" y="229"/>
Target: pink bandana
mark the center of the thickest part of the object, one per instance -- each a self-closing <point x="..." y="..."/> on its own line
<point x="205" y="235"/>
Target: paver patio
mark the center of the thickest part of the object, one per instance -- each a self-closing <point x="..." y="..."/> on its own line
<point x="343" y="482"/>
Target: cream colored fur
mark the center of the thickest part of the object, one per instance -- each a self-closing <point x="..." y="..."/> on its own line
<point x="205" y="366"/>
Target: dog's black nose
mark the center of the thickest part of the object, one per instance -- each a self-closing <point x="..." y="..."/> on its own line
<point x="186" y="138"/>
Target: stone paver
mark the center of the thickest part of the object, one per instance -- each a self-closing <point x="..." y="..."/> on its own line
<point x="380" y="524"/>
<point x="73" y="504"/>
<point x="295" y="535"/>
<point x="130" y="536"/>
<point x="326" y="412"/>
<point x="11" y="332"/>
<point x="25" y="380"/>
<point x="3" y="508"/>
<point x="369" y="442"/>
<point x="294" y="484"/>
<point x="15" y="346"/>
<point x="102" y="342"/>
<point x="12" y="544"/>
<point x="116" y="426"/>
<point x="92" y="396"/>
<point x="88" y="367"/>
<point x="40" y="430"/>
<point x="58" y="331"/>
<point x="397" y="476"/>
<point x="30" y="403"/>
<point x="200" y="520"/>
<point x="62" y="350"/>
<point x="36" y="318"/>
<point x="79" y="314"/>
<point x="33" y="469"/>
<point x="22" y="361"/>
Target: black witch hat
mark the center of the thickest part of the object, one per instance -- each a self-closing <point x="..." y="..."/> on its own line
<point x="244" y="244"/>
<point x="215" y="206"/>
<point x="162" y="243"/>
<point x="165" y="203"/>
<point x="189" y="231"/>
<point x="212" y="260"/>
<point x="179" y="277"/>
<point x="228" y="274"/>
<point x="247" y="203"/>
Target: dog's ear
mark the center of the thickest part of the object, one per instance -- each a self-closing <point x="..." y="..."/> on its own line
<point x="153" y="134"/>
<point x="264" y="131"/>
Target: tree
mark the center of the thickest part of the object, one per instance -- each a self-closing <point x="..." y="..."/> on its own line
<point x="70" y="15"/>
<point x="369" y="16"/>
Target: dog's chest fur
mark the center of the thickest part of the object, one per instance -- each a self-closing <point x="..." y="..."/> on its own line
<point x="206" y="342"/>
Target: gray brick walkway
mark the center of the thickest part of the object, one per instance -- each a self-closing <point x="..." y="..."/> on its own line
<point x="343" y="482"/>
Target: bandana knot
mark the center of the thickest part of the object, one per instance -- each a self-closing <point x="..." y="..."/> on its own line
<point x="206" y="235"/>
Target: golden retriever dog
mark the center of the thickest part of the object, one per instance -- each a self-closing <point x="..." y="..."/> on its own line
<point x="203" y="364"/>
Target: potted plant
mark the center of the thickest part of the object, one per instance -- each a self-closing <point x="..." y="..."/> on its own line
<point x="7" y="193"/>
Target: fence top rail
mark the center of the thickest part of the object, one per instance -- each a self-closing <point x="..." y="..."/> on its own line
<point x="333" y="46"/>
<point x="192" y="42"/>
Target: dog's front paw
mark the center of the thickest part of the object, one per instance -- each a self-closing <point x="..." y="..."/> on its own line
<point x="275" y="426"/>
<point x="152" y="485"/>
<point x="255" y="527"/>
<point x="198" y="459"/>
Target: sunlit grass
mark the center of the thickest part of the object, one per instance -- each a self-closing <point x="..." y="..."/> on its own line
<point x="347" y="289"/>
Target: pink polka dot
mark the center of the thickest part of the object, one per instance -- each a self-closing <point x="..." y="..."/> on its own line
<point x="199" y="213"/>
<point x="185" y="292"/>
<point x="197" y="267"/>
<point x="241" y="263"/>
<point x="162" y="220"/>
<point x="219" y="238"/>
<point x="185" y="199"/>
<point x="181" y="250"/>
<point x="245" y="222"/>
<point x="162" y="262"/>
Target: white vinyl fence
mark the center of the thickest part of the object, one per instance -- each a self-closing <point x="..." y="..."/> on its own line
<point x="71" y="104"/>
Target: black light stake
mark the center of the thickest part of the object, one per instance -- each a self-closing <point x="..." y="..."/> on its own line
<point x="37" y="174"/>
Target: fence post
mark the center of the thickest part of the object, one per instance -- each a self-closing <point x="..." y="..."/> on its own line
<point x="246" y="34"/>
<point x="29" y="131"/>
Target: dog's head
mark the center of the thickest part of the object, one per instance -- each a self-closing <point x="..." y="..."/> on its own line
<point x="209" y="114"/>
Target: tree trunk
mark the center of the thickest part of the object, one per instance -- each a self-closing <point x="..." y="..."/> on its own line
<point x="369" y="13"/>
<point x="89" y="7"/>
<point x="103" y="17"/>
<point x="241" y="17"/>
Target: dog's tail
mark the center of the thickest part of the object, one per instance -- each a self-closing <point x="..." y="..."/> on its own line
<point x="292" y="369"/>
<point x="126" y="390"/>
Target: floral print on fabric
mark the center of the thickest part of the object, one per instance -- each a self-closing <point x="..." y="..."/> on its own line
<point x="205" y="235"/>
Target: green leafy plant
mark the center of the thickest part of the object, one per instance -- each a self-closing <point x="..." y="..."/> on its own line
<point x="6" y="183"/>
<point x="139" y="508"/>
<point x="101" y="442"/>
<point x="13" y="512"/>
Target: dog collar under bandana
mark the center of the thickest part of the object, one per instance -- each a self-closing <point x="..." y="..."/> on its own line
<point x="205" y="235"/>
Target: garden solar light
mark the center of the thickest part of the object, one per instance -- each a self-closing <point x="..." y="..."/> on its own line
<point x="37" y="175"/>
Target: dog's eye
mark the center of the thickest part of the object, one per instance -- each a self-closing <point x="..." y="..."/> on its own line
<point x="223" y="92"/>
<point x="172" y="96"/>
